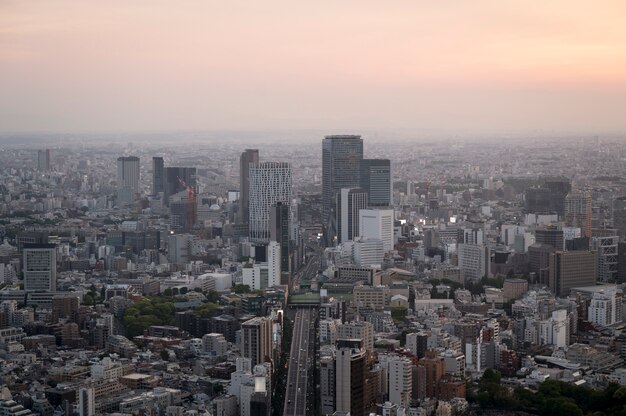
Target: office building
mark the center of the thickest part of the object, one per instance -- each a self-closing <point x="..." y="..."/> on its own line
<point x="40" y="267"/>
<point x="256" y="340"/>
<point x="474" y="261"/>
<point x="327" y="385"/>
<point x="434" y="369"/>
<point x="578" y="212"/>
<point x="377" y="224"/>
<point x="127" y="179"/>
<point x="368" y="252"/>
<point x="178" y="179"/>
<point x="551" y="236"/>
<point x="250" y="156"/>
<point x="279" y="232"/>
<point x="569" y="269"/>
<point x="400" y="381"/>
<point x="44" y="160"/>
<point x="360" y="330"/>
<point x="158" y="175"/>
<point x="376" y="181"/>
<point x="86" y="402"/>
<point x="604" y="243"/>
<point x="269" y="184"/>
<point x="341" y="168"/>
<point x="349" y="203"/>
<point x="350" y="367"/>
<point x="417" y="343"/>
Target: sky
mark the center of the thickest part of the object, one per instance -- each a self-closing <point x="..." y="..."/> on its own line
<point x="470" y="65"/>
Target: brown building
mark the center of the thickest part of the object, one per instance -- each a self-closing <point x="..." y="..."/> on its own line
<point x="569" y="269"/>
<point x="65" y="306"/>
<point x="434" y="366"/>
<point x="578" y="212"/>
<point x="450" y="388"/>
<point x="509" y="362"/>
<point x="514" y="288"/>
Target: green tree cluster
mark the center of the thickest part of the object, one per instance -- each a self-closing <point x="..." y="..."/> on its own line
<point x="150" y="311"/>
<point x="552" y="398"/>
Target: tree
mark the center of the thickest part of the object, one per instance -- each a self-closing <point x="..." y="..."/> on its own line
<point x="88" y="300"/>
<point x="167" y="292"/>
<point x="165" y="356"/>
<point x="175" y="291"/>
<point x="183" y="290"/>
<point x="241" y="288"/>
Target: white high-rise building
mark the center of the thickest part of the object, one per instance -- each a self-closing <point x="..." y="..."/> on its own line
<point x="86" y="402"/>
<point x="400" y="381"/>
<point x="605" y="247"/>
<point x="603" y="307"/>
<point x="367" y="252"/>
<point x="377" y="224"/>
<point x="350" y="201"/>
<point x="40" y="267"/>
<point x="474" y="261"/>
<point x="273" y="264"/>
<point x="270" y="182"/>
<point x="127" y="179"/>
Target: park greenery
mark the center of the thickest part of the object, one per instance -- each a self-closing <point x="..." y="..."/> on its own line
<point x="553" y="397"/>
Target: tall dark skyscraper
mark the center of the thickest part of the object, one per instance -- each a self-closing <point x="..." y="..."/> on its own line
<point x="349" y="203"/>
<point x="247" y="157"/>
<point x="376" y="181"/>
<point x="279" y="232"/>
<point x="127" y="179"/>
<point x="158" y="172"/>
<point x="341" y="168"/>
<point x="174" y="178"/>
<point x="44" y="160"/>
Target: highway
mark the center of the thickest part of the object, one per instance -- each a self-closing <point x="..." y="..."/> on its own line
<point x="298" y="398"/>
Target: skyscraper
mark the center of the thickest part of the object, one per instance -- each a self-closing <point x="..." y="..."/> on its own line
<point x="248" y="157"/>
<point x="178" y="179"/>
<point x="341" y="168"/>
<point x="158" y="172"/>
<point x="578" y="212"/>
<point x="279" y="232"/>
<point x="350" y="380"/>
<point x="256" y="340"/>
<point x="269" y="183"/>
<point x="550" y="235"/>
<point x="43" y="160"/>
<point x="377" y="224"/>
<point x="40" y="267"/>
<point x="569" y="269"/>
<point x="127" y="179"/>
<point x="376" y="180"/>
<point x="349" y="203"/>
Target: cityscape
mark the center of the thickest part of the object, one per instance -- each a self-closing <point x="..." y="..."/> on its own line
<point x="153" y="280"/>
<point x="354" y="208"/>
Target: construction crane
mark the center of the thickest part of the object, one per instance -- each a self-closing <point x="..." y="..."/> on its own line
<point x="191" y="203"/>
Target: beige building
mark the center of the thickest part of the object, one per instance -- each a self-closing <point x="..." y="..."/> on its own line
<point x="375" y="297"/>
<point x="514" y="288"/>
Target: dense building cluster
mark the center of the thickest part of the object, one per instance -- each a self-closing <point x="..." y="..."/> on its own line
<point x="224" y="281"/>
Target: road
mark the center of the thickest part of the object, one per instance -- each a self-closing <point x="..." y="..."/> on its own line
<point x="307" y="273"/>
<point x="298" y="398"/>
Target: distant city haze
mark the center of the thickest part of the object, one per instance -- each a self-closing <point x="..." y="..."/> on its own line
<point x="147" y="65"/>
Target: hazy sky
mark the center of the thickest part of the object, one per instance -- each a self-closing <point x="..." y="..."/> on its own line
<point x="111" y="65"/>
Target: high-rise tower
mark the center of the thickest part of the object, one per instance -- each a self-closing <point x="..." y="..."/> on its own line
<point x="158" y="171"/>
<point x="578" y="212"/>
<point x="40" y="267"/>
<point x="349" y="203"/>
<point x="127" y="179"/>
<point x="269" y="183"/>
<point x="248" y="157"/>
<point x="341" y="168"/>
<point x="376" y="180"/>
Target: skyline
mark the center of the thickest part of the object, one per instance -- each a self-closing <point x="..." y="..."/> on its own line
<point x="66" y="66"/>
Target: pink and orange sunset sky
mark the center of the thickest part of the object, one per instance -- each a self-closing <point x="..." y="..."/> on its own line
<point x="131" y="65"/>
